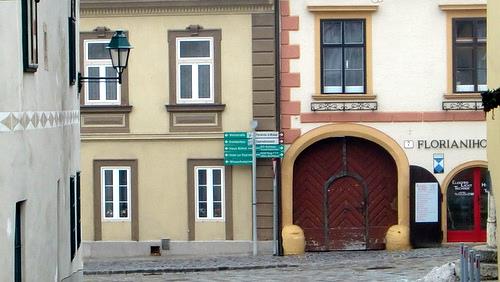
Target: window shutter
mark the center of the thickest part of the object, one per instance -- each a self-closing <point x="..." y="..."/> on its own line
<point x="72" y="215"/>
<point x="78" y="213"/>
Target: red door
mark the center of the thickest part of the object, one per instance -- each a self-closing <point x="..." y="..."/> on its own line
<point x="467" y="202"/>
<point x="344" y="194"/>
<point x="346" y="214"/>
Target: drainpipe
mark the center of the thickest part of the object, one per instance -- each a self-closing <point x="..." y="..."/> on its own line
<point x="277" y="190"/>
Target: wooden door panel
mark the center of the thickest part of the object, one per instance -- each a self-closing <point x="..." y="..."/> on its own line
<point x="311" y="170"/>
<point x="347" y="226"/>
<point x="346" y="215"/>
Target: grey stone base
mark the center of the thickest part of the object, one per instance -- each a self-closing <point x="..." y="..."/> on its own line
<point x="115" y="249"/>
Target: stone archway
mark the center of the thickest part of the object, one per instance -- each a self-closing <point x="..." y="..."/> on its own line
<point x="341" y="130"/>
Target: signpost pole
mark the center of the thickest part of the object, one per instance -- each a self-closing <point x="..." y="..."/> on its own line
<point x="254" y="125"/>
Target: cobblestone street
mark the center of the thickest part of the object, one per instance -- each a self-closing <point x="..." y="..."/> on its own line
<point x="332" y="266"/>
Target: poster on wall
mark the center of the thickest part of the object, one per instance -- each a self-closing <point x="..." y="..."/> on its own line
<point x="426" y="202"/>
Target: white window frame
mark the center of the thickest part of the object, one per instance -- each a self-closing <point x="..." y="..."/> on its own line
<point x="210" y="202"/>
<point x="194" y="63"/>
<point x="116" y="194"/>
<point x="102" y="65"/>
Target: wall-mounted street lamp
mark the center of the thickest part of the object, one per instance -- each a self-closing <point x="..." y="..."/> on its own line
<point x="119" y="49"/>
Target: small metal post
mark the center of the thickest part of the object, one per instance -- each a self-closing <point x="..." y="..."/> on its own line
<point x="471" y="265"/>
<point x="465" y="268"/>
<point x="462" y="261"/>
<point x="254" y="125"/>
<point x="477" y="267"/>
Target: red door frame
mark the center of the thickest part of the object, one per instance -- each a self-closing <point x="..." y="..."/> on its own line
<point x="476" y="234"/>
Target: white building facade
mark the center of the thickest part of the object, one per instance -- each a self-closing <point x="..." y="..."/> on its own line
<point x="39" y="142"/>
<point x="379" y="98"/>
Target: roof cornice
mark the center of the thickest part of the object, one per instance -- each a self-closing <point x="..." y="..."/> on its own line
<point x="93" y="8"/>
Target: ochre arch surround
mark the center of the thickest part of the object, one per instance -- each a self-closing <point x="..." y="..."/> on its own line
<point x="341" y="130"/>
<point x="444" y="187"/>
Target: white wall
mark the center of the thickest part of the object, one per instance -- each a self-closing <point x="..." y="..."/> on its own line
<point x="35" y="157"/>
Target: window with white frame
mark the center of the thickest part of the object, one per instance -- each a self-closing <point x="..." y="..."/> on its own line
<point x="195" y="70"/>
<point x="97" y="63"/>
<point x="115" y="183"/>
<point x="209" y="190"/>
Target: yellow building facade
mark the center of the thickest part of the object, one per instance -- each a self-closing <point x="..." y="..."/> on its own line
<point x="152" y="148"/>
<point x="493" y="83"/>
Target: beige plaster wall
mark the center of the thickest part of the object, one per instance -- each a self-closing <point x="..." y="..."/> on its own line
<point x="148" y="66"/>
<point x="162" y="178"/>
<point x="493" y="133"/>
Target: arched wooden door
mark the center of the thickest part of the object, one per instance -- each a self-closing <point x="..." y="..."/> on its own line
<point x="344" y="194"/>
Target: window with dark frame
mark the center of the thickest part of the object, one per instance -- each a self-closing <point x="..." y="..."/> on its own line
<point x="343" y="56"/>
<point x="469" y="55"/>
<point x="72" y="214"/>
<point x="78" y="213"/>
<point x="30" y="34"/>
<point x="72" y="43"/>
<point x="18" y="243"/>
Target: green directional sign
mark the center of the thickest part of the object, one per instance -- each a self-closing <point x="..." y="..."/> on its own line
<point x="244" y="142"/>
<point x="237" y="148"/>
<point x="273" y="147"/>
<point x="270" y="154"/>
<point x="237" y="135"/>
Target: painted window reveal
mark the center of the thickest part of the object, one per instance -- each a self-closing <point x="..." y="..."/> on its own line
<point x="30" y="34"/>
<point x="97" y="63"/>
<point x="195" y="68"/>
<point x="209" y="182"/>
<point x="343" y="52"/>
<point x="469" y="55"/>
<point x="115" y="183"/>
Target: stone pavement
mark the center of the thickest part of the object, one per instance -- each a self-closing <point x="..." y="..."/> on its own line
<point x="326" y="266"/>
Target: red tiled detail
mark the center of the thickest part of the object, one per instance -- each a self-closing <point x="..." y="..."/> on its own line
<point x="286" y="121"/>
<point x="285" y="65"/>
<point x="290" y="51"/>
<point x="290" y="79"/>
<point x="285" y="37"/>
<point x="290" y="108"/>
<point x="406" y="116"/>
<point x="285" y="93"/>
<point x="290" y="135"/>
<point x="290" y="23"/>
<point x="392" y="117"/>
<point x="469" y="116"/>
<point x="285" y="8"/>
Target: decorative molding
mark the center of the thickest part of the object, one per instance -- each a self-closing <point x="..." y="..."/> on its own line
<point x="195" y="108"/>
<point x="18" y="121"/>
<point x="462" y="7"/>
<point x="342" y="8"/>
<point x="337" y="97"/>
<point x="343" y="106"/>
<point x="105" y="109"/>
<point x="463" y="106"/>
<point x="462" y="96"/>
<point x="152" y="137"/>
<point x="93" y="8"/>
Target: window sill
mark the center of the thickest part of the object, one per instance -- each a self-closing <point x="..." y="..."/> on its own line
<point x="196" y="108"/>
<point x="338" y="97"/>
<point x="459" y="96"/>
<point x="105" y="109"/>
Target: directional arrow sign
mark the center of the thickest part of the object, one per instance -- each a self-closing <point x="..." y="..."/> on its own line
<point x="237" y="135"/>
<point x="273" y="147"/>
<point x="267" y="134"/>
<point x="270" y="154"/>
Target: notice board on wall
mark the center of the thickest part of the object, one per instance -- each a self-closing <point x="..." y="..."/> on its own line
<point x="426" y="202"/>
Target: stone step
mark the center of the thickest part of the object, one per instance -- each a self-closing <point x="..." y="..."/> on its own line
<point x="489" y="271"/>
<point x="488" y="254"/>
